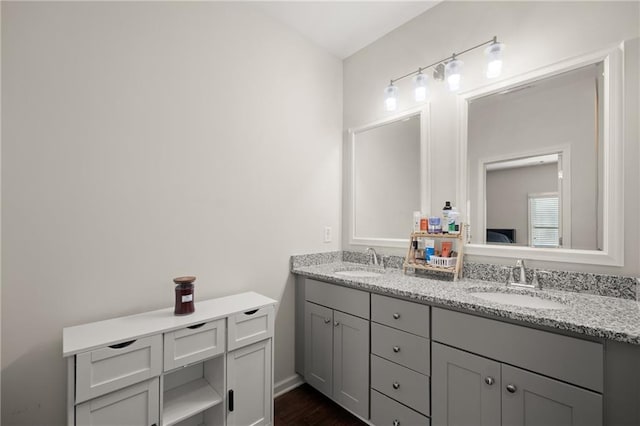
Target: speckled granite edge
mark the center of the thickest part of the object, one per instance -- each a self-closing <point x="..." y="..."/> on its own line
<point x="300" y="260"/>
<point x="579" y="282"/>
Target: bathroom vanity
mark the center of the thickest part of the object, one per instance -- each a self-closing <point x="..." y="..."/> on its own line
<point x="213" y="367"/>
<point x="437" y="354"/>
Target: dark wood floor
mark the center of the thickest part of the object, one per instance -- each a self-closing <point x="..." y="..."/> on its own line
<point x="305" y="406"/>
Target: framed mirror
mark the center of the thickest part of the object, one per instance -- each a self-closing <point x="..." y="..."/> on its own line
<point x="388" y="178"/>
<point x="541" y="163"/>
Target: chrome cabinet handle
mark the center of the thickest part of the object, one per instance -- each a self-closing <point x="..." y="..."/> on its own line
<point x="396" y="316"/>
<point x="336" y="324"/>
<point x="396" y="349"/>
<point x="327" y="320"/>
<point x="511" y="388"/>
<point x="489" y="380"/>
<point x="396" y="422"/>
<point x="396" y="385"/>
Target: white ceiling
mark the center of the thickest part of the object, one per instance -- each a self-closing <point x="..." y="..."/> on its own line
<point x="344" y="27"/>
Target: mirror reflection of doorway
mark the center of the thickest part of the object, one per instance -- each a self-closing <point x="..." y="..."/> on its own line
<point x="524" y="201"/>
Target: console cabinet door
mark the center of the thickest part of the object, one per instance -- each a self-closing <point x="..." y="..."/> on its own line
<point x="532" y="400"/>
<point x="465" y="388"/>
<point x="351" y="362"/>
<point x="318" y="365"/>
<point x="249" y="385"/>
<point x="137" y="405"/>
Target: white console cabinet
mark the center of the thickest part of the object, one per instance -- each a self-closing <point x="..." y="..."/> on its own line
<point x="213" y="367"/>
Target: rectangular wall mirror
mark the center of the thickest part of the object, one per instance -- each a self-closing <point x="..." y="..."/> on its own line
<point x="541" y="164"/>
<point x="388" y="179"/>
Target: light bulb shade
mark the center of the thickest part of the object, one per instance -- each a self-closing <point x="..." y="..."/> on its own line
<point x="452" y="74"/>
<point x="390" y="98"/>
<point x="494" y="59"/>
<point x="420" y="87"/>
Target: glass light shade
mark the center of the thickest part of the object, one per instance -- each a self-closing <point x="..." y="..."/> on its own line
<point x="420" y="87"/>
<point x="390" y="98"/>
<point x="494" y="58"/>
<point x="452" y="74"/>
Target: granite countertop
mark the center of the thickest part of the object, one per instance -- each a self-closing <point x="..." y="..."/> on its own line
<point x="592" y="315"/>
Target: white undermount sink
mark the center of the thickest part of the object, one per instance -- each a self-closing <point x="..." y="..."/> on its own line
<point x="522" y="300"/>
<point x="359" y="273"/>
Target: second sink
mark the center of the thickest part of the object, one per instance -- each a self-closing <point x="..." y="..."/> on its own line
<point x="359" y="273"/>
<point x="522" y="300"/>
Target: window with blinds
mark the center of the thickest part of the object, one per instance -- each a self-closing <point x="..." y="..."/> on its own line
<point x="544" y="229"/>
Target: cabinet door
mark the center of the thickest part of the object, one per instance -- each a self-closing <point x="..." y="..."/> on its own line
<point x="137" y="405"/>
<point x="351" y="362"/>
<point x="530" y="399"/>
<point x="318" y="347"/>
<point x="466" y="388"/>
<point x="249" y="384"/>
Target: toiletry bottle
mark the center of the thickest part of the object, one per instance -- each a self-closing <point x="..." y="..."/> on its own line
<point x="445" y="216"/>
<point x="429" y="249"/>
<point x="423" y="223"/>
<point x="417" y="216"/>
<point x="454" y="221"/>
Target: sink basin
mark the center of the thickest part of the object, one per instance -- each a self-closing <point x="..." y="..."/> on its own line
<point x="522" y="300"/>
<point x="358" y="273"/>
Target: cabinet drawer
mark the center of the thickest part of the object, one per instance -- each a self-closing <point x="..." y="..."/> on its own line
<point x="135" y="405"/>
<point x="401" y="347"/>
<point x="354" y="302"/>
<point x="250" y="327"/>
<point x="407" y="316"/>
<point x="114" y="367"/>
<point x="193" y="344"/>
<point x="569" y="359"/>
<point x="387" y="412"/>
<point x="400" y="383"/>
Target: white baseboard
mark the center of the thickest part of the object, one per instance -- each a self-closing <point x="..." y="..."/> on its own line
<point x="284" y="386"/>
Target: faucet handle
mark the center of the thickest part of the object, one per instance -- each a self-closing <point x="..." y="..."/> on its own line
<point x="509" y="275"/>
<point x="536" y="282"/>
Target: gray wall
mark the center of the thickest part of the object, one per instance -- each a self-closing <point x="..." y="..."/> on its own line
<point x="537" y="34"/>
<point x="144" y="141"/>
<point x="507" y="196"/>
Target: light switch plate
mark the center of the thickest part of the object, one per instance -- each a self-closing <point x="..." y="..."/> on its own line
<point x="327" y="234"/>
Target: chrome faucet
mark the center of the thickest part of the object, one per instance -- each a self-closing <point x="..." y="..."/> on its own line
<point x="523" y="276"/>
<point x="523" y="273"/>
<point x="373" y="256"/>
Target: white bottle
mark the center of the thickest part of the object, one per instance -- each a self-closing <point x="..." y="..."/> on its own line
<point x="416" y="221"/>
<point x="453" y="219"/>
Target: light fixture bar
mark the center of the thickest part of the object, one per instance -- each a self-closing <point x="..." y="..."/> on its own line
<point x="419" y="70"/>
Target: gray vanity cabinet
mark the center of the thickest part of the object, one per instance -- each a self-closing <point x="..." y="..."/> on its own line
<point x="336" y="351"/>
<point x="318" y="344"/>
<point x="350" y="374"/>
<point x="478" y="381"/>
<point x="466" y="388"/>
<point x="531" y="399"/>
<point x="473" y="390"/>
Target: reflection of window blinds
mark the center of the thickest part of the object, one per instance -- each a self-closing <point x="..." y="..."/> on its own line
<point x="543" y="216"/>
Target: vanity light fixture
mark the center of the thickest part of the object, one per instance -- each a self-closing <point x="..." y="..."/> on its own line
<point x="448" y="68"/>
<point x="494" y="54"/>
<point x="390" y="97"/>
<point x="452" y="73"/>
<point x="420" y="86"/>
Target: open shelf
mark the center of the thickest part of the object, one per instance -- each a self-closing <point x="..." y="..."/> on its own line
<point x="411" y="263"/>
<point x="187" y="400"/>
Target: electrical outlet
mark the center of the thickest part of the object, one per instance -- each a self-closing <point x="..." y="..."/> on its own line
<point x="327" y="234"/>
